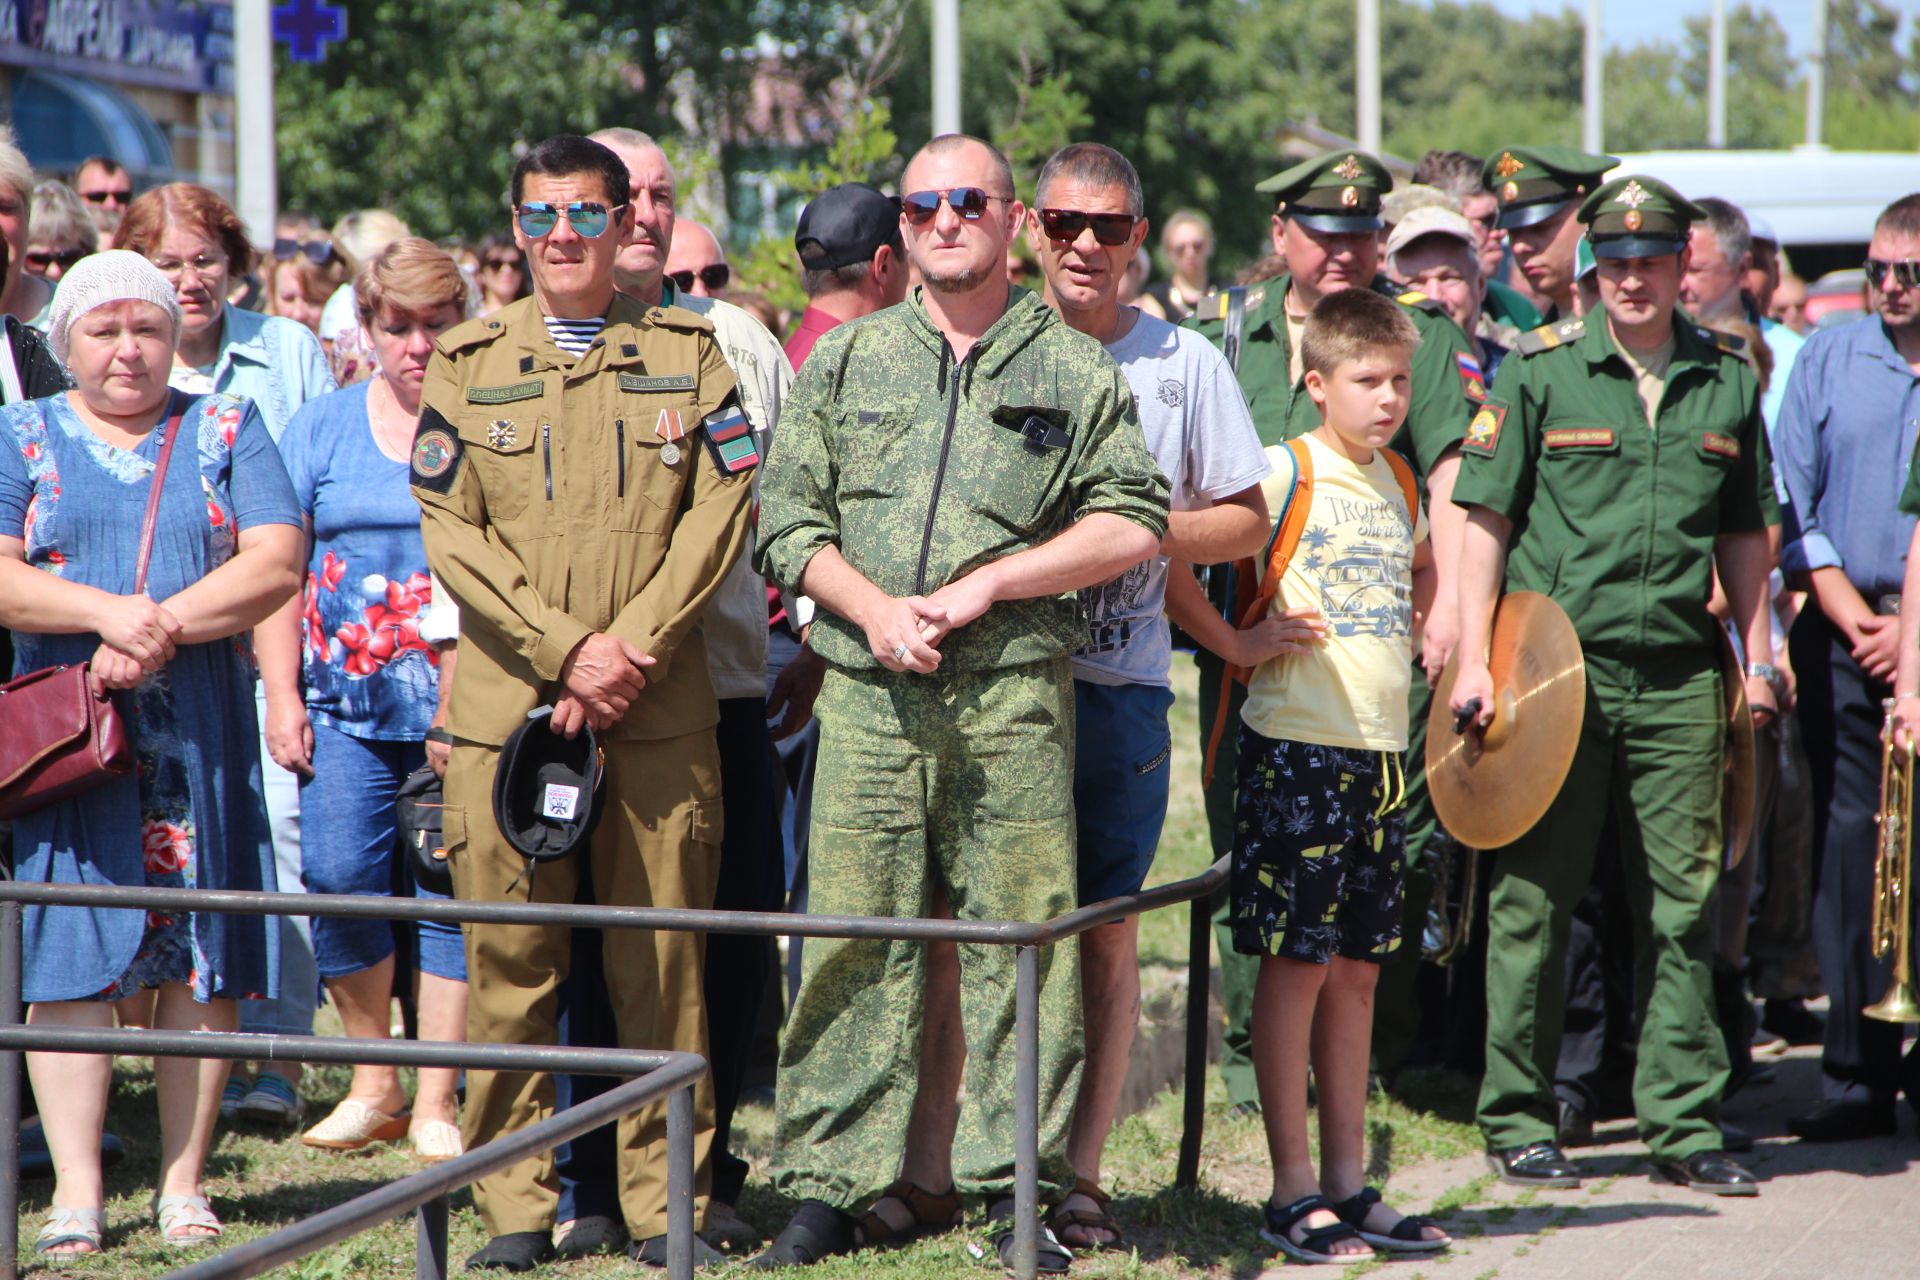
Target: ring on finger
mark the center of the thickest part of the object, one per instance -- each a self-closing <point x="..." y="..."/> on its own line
<point x="900" y="652"/>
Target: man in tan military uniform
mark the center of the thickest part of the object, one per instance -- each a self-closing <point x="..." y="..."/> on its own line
<point x="584" y="473"/>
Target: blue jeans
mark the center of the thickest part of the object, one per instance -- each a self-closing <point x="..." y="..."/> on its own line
<point x="350" y="842"/>
<point x="291" y="1012"/>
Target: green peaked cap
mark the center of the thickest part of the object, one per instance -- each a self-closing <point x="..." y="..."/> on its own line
<point x="1638" y="217"/>
<point x="1336" y="192"/>
<point x="1534" y="183"/>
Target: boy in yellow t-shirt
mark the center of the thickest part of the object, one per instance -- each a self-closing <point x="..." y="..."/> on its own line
<point x="1319" y="841"/>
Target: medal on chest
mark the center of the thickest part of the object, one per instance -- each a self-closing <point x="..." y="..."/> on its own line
<point x="671" y="430"/>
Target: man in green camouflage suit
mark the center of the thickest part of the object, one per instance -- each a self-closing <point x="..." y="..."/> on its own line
<point x="949" y="472"/>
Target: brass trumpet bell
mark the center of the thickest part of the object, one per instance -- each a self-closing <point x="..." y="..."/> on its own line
<point x="1893" y="878"/>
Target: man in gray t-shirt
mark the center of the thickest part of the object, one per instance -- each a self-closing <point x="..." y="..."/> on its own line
<point x="1086" y="224"/>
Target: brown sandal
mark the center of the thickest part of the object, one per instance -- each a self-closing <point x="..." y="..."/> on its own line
<point x="930" y="1213"/>
<point x="1063" y="1219"/>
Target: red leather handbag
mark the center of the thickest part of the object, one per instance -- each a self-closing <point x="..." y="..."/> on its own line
<point x="57" y="737"/>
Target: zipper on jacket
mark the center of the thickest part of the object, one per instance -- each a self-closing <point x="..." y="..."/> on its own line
<point x="620" y="456"/>
<point x="940" y="472"/>
<point x="546" y="455"/>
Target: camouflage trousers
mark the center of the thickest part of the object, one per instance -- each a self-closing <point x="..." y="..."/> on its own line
<point x="968" y="778"/>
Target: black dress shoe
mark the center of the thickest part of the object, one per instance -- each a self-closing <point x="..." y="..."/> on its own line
<point x="1843" y="1122"/>
<point x="1575" y="1128"/>
<point x="514" y="1251"/>
<point x="1793" y="1022"/>
<point x="1538" y="1164"/>
<point x="1734" y="1138"/>
<point x="1714" y="1172"/>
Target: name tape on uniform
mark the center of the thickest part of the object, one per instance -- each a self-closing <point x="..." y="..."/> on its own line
<point x="506" y="395"/>
<point x="661" y="382"/>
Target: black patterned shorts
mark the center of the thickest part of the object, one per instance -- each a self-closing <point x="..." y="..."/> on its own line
<point x="1319" y="851"/>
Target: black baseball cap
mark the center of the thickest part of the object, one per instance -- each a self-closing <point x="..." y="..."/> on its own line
<point x="844" y="225"/>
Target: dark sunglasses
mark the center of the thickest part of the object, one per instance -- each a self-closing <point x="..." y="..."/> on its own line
<point x="101" y="197"/>
<point x="1906" y="273"/>
<point x="500" y="264"/>
<point x="39" y="260"/>
<point x="588" y="218"/>
<point x="318" y="252"/>
<point x="715" y="277"/>
<point x="969" y="202"/>
<point x="1065" y="226"/>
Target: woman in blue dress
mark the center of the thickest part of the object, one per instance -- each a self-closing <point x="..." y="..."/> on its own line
<point x="75" y="474"/>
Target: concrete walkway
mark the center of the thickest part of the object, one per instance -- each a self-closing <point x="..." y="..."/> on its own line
<point x="1846" y="1210"/>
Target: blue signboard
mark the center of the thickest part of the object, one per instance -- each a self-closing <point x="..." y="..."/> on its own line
<point x="163" y="44"/>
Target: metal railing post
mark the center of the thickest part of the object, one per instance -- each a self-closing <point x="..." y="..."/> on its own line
<point x="430" y="1240"/>
<point x="1026" y="1112"/>
<point x="680" y="1184"/>
<point x="12" y="1063"/>
<point x="1199" y="995"/>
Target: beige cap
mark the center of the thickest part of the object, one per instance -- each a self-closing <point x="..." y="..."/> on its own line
<point x="1429" y="220"/>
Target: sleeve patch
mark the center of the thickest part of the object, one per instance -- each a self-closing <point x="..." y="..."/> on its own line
<point x="436" y="454"/>
<point x="730" y="438"/>
<point x="1483" y="433"/>
<point x="1725" y="446"/>
<point x="1472" y="380"/>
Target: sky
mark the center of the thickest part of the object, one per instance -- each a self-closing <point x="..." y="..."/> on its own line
<point x="1635" y="22"/>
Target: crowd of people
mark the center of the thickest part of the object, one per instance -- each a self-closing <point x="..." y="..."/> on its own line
<point x="881" y="620"/>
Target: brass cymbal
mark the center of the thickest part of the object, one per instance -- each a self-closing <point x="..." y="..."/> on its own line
<point x="1489" y="788"/>
<point x="1737" y="796"/>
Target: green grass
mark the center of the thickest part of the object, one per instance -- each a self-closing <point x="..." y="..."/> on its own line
<point x="261" y="1182"/>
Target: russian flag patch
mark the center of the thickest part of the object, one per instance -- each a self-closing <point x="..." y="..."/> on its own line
<point x="730" y="438"/>
<point x="1472" y="381"/>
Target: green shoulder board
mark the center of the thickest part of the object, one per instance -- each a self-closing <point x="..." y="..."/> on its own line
<point x="1549" y="336"/>
<point x="1415" y="298"/>
<point x="470" y="334"/>
<point x="1731" y="343"/>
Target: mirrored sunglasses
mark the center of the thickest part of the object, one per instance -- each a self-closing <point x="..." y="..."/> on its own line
<point x="588" y="218"/>
<point x="715" y="277"/>
<point x="1906" y="272"/>
<point x="318" y="252"/>
<point x="1065" y="226"/>
<point x="969" y="202"/>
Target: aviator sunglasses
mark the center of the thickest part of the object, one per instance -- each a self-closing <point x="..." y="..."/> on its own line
<point x="1906" y="272"/>
<point x="969" y="202"/>
<point x="318" y="252"/>
<point x="1065" y="226"/>
<point x="588" y="218"/>
<point x="715" y="276"/>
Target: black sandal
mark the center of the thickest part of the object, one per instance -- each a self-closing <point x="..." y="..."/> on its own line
<point x="1405" y="1236"/>
<point x="1051" y="1258"/>
<point x="1312" y="1246"/>
<point x="930" y="1212"/>
<point x="817" y="1230"/>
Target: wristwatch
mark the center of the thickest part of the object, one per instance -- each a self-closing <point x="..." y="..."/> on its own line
<point x="1768" y="672"/>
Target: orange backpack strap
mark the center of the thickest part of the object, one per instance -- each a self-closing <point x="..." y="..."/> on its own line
<point x="1258" y="581"/>
<point x="1409" y="484"/>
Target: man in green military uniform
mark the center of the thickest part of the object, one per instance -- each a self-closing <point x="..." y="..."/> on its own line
<point x="1539" y="190"/>
<point x="949" y="471"/>
<point x="584" y="487"/>
<point x="1618" y="464"/>
<point x="1326" y="224"/>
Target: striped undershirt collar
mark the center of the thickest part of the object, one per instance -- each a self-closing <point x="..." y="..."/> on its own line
<point x="574" y="336"/>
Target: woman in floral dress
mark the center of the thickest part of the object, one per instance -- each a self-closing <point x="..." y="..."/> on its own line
<point x="75" y="473"/>
<point x="351" y="689"/>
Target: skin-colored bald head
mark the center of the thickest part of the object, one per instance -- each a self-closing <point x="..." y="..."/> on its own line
<point x="695" y="248"/>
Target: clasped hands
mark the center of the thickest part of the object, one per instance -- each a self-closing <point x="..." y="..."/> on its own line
<point x="904" y="633"/>
<point x="602" y="677"/>
<point x="137" y="638"/>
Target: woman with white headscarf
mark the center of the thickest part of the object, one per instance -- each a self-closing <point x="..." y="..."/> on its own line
<point x="76" y="470"/>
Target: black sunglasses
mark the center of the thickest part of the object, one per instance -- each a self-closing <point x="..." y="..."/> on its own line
<point x="1065" y="226"/>
<point x="101" y="197"/>
<point x="969" y="202"/>
<point x="715" y="277"/>
<point x="1906" y="273"/>
<point x="500" y="264"/>
<point x="318" y="252"/>
<point x="38" y="260"/>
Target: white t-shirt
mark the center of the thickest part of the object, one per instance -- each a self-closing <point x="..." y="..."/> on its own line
<point x="1355" y="565"/>
<point x="1199" y="430"/>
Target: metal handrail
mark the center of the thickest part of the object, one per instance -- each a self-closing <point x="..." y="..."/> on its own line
<point x="1027" y="937"/>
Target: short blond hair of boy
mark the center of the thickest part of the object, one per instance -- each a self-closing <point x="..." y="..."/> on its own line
<point x="1350" y="325"/>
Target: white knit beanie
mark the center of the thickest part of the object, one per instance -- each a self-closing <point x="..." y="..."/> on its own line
<point x="113" y="276"/>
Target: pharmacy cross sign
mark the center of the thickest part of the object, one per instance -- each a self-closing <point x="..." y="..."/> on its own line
<point x="307" y="27"/>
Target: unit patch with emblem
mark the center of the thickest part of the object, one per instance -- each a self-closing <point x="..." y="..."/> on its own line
<point x="436" y="454"/>
<point x="1483" y="433"/>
